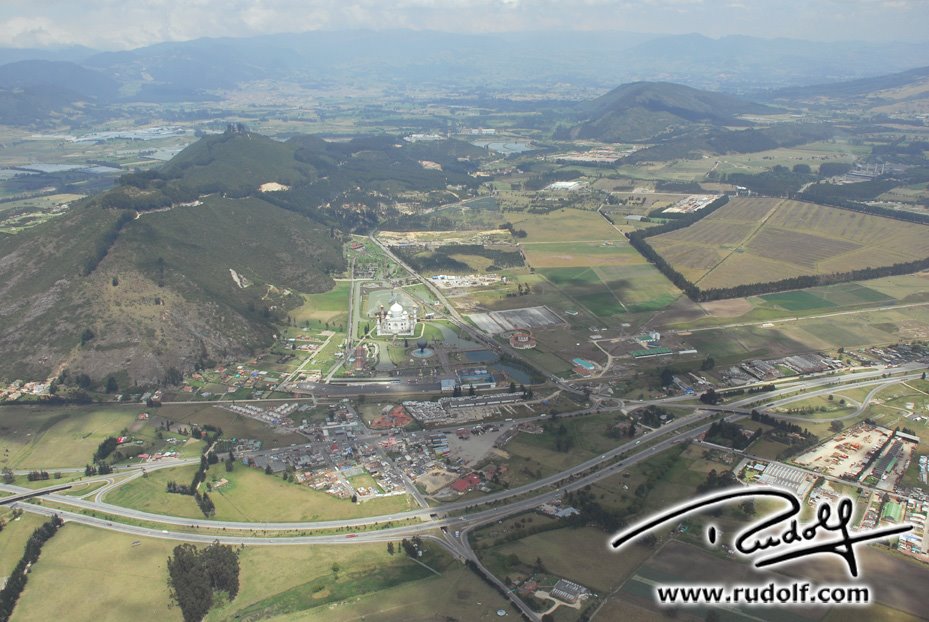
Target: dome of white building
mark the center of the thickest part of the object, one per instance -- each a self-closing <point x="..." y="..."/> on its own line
<point x="396" y="310"/>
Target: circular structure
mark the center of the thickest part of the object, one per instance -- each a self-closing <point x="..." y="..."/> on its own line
<point x="522" y="339"/>
<point x="422" y="353"/>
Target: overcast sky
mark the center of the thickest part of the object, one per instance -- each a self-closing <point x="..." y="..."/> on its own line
<point x="121" y="24"/>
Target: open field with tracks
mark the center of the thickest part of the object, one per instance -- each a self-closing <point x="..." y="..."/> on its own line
<point x="763" y="240"/>
<point x="47" y="438"/>
<point x="248" y="495"/>
<point x="277" y="582"/>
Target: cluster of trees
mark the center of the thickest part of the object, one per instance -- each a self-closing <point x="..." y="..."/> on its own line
<point x="592" y="512"/>
<point x="105" y="448"/>
<point x="652" y="415"/>
<point x="37" y="476"/>
<point x="730" y="434"/>
<point x="717" y="481"/>
<point x="861" y="191"/>
<point x="690" y="187"/>
<point x="101" y="468"/>
<point x="440" y="259"/>
<point x="205" y="504"/>
<point x="779" y="181"/>
<point x="195" y="575"/>
<point x="796" y="438"/>
<point x="516" y="233"/>
<point x="411" y="547"/>
<point x="17" y="579"/>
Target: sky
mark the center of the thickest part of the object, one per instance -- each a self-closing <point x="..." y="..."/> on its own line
<point x="125" y="24"/>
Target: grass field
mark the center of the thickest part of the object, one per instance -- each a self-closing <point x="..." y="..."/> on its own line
<point x="759" y="240"/>
<point x="331" y="306"/>
<point x="86" y="574"/>
<point x="564" y="225"/>
<point x="587" y="433"/>
<point x="13" y="538"/>
<point x="250" y="495"/>
<point x="297" y="583"/>
<point x="78" y="566"/>
<point x="232" y="424"/>
<point x="50" y="437"/>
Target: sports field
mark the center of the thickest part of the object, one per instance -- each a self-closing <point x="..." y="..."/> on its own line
<point x="753" y="240"/>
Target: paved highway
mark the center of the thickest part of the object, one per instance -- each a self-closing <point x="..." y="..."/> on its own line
<point x="481" y="511"/>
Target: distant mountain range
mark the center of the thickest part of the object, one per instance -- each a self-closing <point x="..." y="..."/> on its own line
<point x="897" y="87"/>
<point x="499" y="62"/>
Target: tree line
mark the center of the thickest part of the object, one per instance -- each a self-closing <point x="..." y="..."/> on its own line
<point x="637" y="240"/>
<point x="17" y="580"/>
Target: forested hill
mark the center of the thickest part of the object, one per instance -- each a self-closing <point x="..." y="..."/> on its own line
<point x="138" y="281"/>
<point x="643" y="111"/>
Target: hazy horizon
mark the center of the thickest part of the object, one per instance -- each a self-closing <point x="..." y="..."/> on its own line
<point x="112" y="25"/>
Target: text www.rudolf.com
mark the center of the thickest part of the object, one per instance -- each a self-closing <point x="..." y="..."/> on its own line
<point x="770" y="594"/>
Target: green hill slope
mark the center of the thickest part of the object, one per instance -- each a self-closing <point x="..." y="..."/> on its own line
<point x="643" y="111"/>
<point x="164" y="296"/>
<point x="192" y="261"/>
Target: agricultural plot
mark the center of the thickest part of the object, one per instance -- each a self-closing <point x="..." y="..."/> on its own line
<point x="326" y="308"/>
<point x="47" y="438"/>
<point x="248" y="495"/>
<point x="762" y="240"/>
<point x="559" y="254"/>
<point x="79" y="566"/>
<point x="497" y="322"/>
<point x="611" y="290"/>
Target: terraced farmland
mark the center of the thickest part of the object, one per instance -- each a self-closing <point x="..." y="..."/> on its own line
<point x="763" y="240"/>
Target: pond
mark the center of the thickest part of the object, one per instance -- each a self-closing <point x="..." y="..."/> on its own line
<point x="504" y="147"/>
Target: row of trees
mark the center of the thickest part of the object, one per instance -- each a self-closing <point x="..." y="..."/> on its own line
<point x="194" y="576"/>
<point x="17" y="580"/>
<point x="638" y="240"/>
<point x="101" y="468"/>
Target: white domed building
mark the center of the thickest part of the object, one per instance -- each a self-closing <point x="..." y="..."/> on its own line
<point x="396" y="321"/>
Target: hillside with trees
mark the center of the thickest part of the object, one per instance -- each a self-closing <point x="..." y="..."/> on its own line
<point x="147" y="267"/>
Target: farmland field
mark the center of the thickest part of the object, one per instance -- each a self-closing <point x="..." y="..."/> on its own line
<point x="249" y="495"/>
<point x="47" y="438"/>
<point x="290" y="582"/>
<point x="763" y="240"/>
